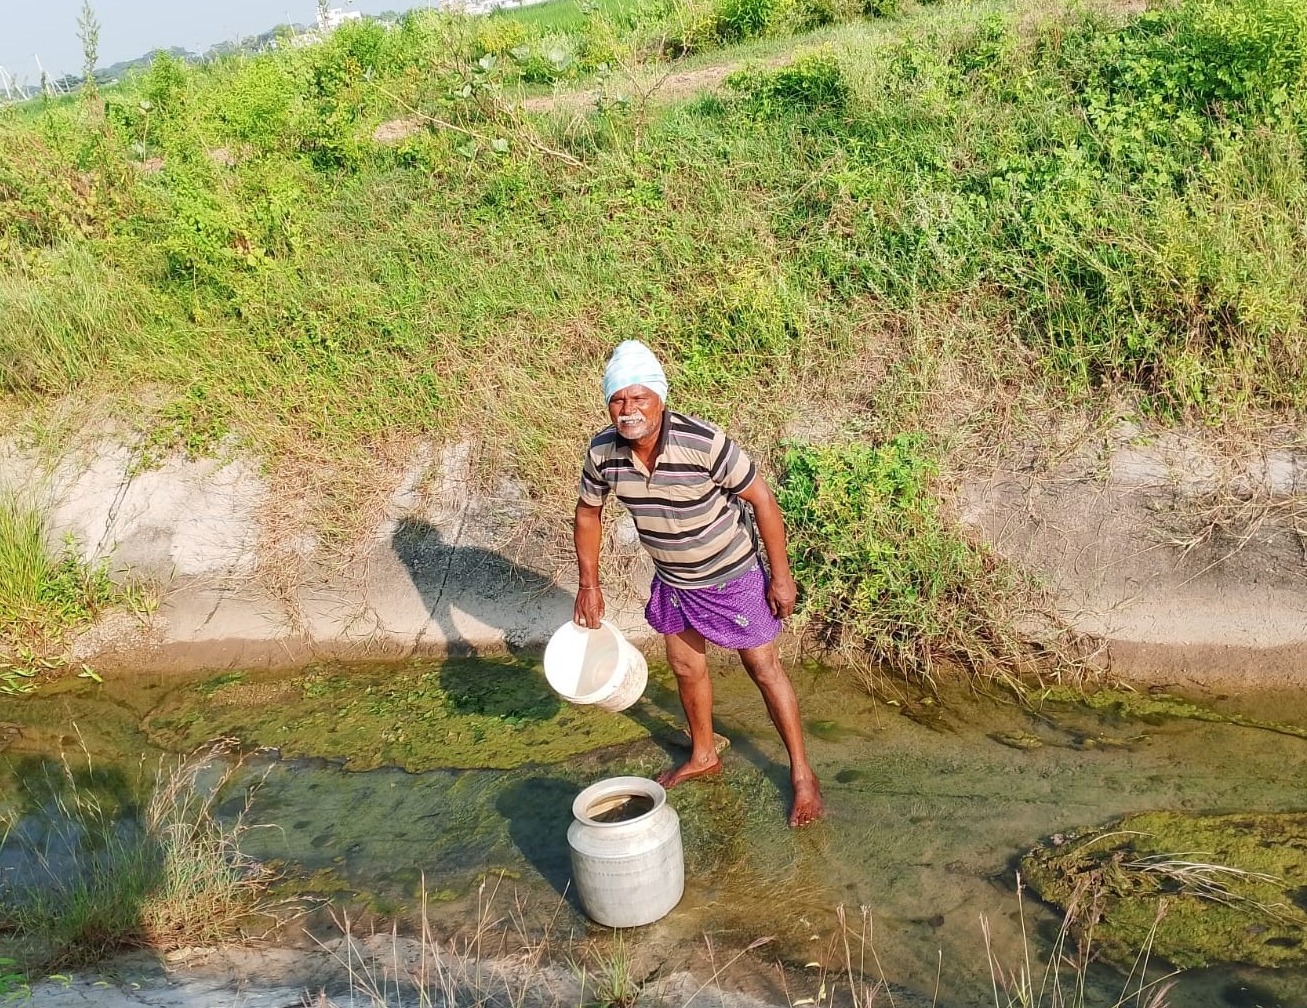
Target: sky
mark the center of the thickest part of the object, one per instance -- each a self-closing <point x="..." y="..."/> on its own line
<point x="47" y="29"/>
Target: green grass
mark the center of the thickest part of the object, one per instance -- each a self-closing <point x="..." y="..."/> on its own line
<point x="116" y="870"/>
<point x="44" y="594"/>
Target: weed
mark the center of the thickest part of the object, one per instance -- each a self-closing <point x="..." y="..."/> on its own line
<point x="812" y="82"/>
<point x="44" y="596"/>
<point x="101" y="870"/>
<point x="385" y="969"/>
<point x="1062" y="980"/>
<point x="607" y="975"/>
<point x="883" y="569"/>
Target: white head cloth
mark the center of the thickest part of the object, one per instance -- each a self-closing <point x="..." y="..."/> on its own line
<point x="633" y="363"/>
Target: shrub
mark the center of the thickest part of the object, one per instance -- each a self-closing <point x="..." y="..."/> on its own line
<point x="738" y="20"/>
<point x="547" y="59"/>
<point x="689" y="27"/>
<point x="812" y="82"/>
<point x="499" y="36"/>
<point x="261" y="104"/>
<point x="881" y="568"/>
<point x="41" y="200"/>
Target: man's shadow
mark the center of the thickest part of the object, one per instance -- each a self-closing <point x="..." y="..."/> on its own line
<point x="517" y="604"/>
<point x="521" y="604"/>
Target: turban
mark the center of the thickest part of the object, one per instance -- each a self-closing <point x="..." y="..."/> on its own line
<point x="633" y="363"/>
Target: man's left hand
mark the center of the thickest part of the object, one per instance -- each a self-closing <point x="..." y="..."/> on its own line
<point x="781" y="595"/>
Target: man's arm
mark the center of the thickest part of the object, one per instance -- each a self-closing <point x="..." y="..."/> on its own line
<point x="587" y="532"/>
<point x="771" y="527"/>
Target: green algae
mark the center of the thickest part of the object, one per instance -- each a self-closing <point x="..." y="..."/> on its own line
<point x="1156" y="708"/>
<point x="1198" y="889"/>
<point x="460" y="713"/>
<point x="1022" y="740"/>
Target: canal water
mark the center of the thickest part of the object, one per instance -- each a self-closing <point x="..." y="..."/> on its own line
<point x="930" y="802"/>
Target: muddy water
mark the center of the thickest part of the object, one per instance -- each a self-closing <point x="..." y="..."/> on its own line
<point x="929" y="805"/>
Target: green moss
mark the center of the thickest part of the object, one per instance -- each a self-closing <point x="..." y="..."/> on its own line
<point x="1156" y="708"/>
<point x="1171" y="871"/>
<point x="461" y="713"/>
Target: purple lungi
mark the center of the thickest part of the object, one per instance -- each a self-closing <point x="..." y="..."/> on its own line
<point x="733" y="615"/>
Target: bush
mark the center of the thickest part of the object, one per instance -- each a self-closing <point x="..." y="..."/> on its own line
<point x="499" y="36"/>
<point x="880" y="568"/>
<point x="261" y="106"/>
<point x="812" y="82"/>
<point x="738" y="20"/>
<point x="547" y="59"/>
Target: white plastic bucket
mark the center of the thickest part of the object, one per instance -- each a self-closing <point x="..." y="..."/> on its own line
<point x="599" y="667"/>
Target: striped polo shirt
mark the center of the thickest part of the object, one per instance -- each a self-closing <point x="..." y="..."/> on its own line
<point x="687" y="509"/>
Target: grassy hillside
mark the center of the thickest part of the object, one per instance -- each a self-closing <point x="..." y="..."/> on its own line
<point x="946" y="220"/>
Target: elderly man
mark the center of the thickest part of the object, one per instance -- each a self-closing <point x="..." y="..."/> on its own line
<point x="687" y="486"/>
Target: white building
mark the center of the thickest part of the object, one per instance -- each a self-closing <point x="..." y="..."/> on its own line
<point x="331" y="18"/>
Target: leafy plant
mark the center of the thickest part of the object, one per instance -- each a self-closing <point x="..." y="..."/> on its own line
<point x="881" y="568"/>
<point x="814" y="81"/>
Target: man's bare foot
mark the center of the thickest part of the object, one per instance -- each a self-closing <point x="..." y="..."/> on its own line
<point x="689" y="770"/>
<point x="808" y="807"/>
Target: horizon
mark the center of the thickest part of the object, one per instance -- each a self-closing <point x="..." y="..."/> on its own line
<point x="44" y="37"/>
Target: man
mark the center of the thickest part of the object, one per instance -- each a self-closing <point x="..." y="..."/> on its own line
<point x="687" y="486"/>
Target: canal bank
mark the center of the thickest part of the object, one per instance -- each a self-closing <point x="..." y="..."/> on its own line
<point x="1182" y="559"/>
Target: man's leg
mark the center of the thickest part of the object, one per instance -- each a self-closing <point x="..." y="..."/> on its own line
<point x="687" y="655"/>
<point x="764" y="668"/>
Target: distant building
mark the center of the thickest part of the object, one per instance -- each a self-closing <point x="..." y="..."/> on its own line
<point x="331" y="18"/>
<point x="488" y="6"/>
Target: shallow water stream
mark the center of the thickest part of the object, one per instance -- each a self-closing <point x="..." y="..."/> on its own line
<point x="929" y="805"/>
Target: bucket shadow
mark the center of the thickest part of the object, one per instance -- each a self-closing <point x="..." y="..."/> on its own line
<point x="538" y="810"/>
<point x="522" y="604"/>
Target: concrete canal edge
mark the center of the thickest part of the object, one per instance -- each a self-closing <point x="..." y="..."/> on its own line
<point x="1187" y="562"/>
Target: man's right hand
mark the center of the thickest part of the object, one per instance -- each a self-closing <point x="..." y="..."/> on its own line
<point x="589" y="608"/>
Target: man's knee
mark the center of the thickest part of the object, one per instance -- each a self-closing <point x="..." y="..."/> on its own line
<point x="686" y="660"/>
<point x="763" y="665"/>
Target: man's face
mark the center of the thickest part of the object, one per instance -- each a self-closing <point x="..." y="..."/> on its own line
<point x="636" y="411"/>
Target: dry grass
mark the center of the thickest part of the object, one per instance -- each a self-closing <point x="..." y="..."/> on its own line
<point x="1061" y="980"/>
<point x="104" y="874"/>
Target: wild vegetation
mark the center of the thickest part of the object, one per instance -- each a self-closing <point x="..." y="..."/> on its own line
<point x="943" y="222"/>
<point x="45" y="595"/>
<point x="109" y="863"/>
